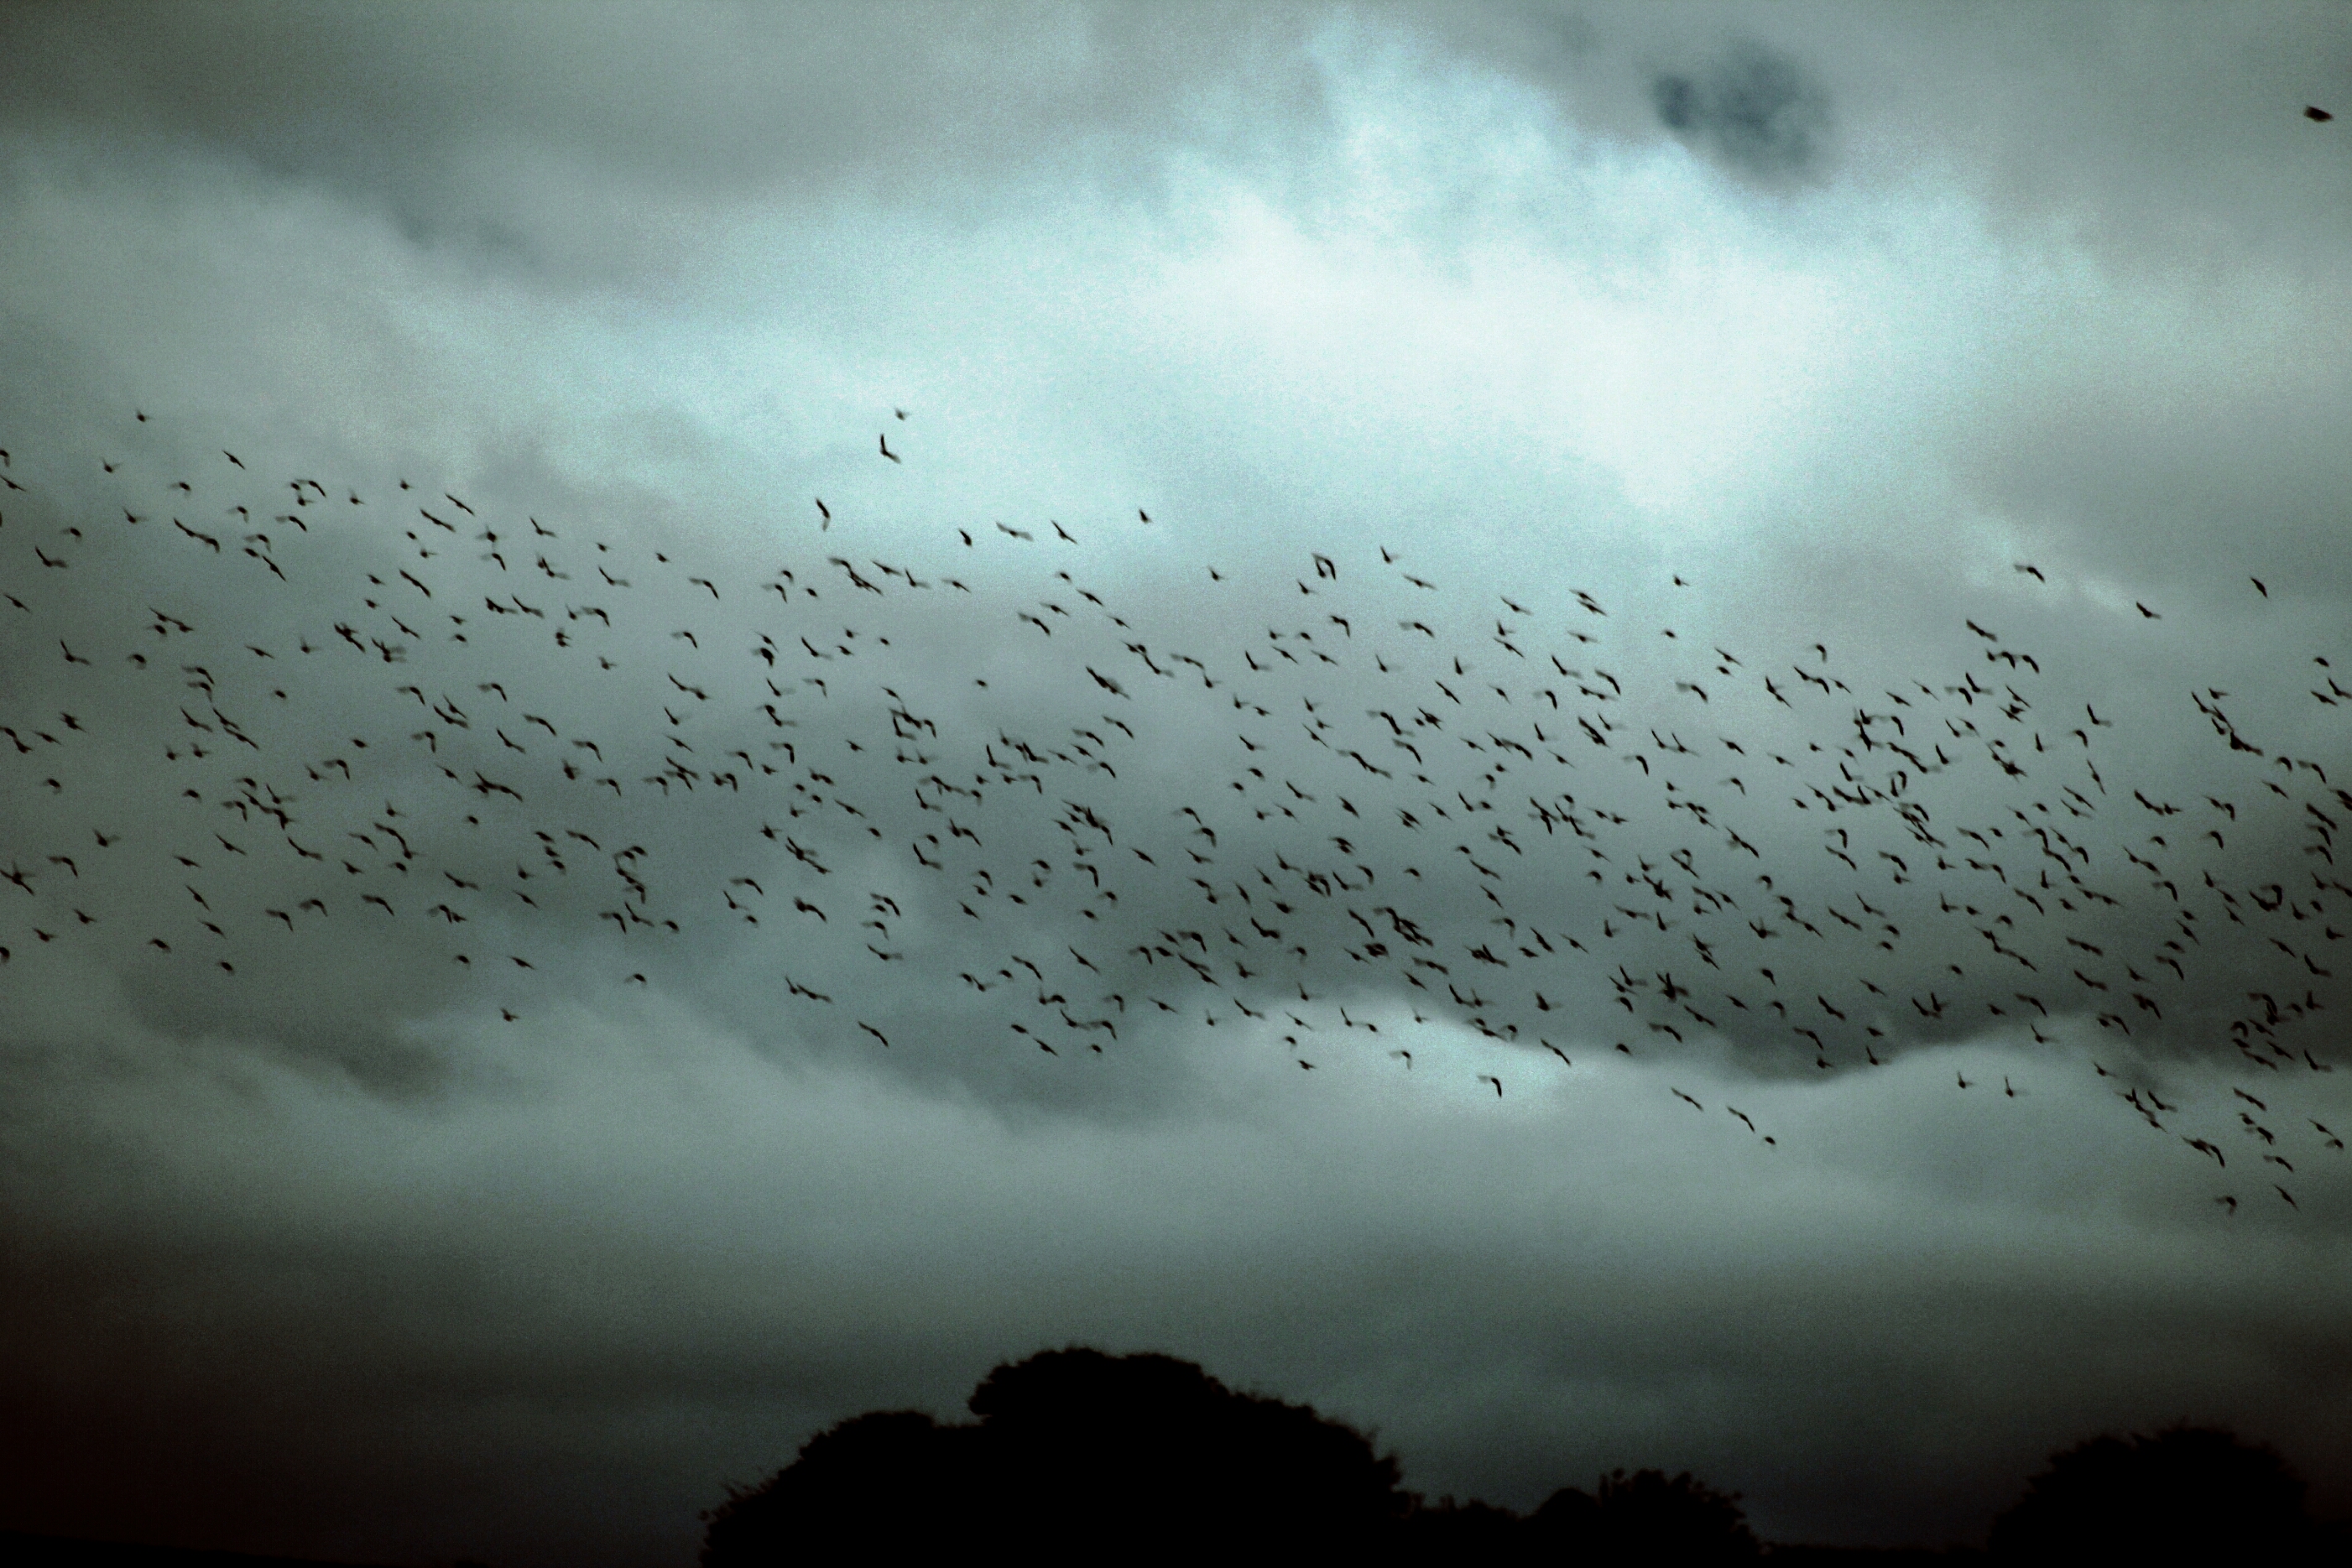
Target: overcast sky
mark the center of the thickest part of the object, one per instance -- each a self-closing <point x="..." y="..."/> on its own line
<point x="778" y="702"/>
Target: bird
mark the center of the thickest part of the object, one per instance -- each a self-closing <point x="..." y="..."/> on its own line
<point x="1246" y="894"/>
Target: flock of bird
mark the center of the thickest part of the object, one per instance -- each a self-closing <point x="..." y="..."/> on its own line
<point x="261" y="727"/>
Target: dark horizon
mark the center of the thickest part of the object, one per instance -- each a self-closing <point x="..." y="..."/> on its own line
<point x="1074" y="1450"/>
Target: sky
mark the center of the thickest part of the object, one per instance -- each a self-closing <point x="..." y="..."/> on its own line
<point x="718" y="712"/>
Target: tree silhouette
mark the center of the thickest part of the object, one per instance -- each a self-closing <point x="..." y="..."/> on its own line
<point x="1450" y="1531"/>
<point x="2186" y="1494"/>
<point x="892" y="1481"/>
<point x="1645" y="1517"/>
<point x="1147" y="1443"/>
<point x="1074" y="1453"/>
<point x="1077" y="1454"/>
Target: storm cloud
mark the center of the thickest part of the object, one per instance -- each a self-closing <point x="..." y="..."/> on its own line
<point x="1753" y="108"/>
<point x="1608" y="737"/>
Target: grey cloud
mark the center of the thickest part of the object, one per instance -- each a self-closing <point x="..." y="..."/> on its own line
<point x="385" y="1274"/>
<point x="2145" y="137"/>
<point x="596" y="143"/>
<point x="1753" y="108"/>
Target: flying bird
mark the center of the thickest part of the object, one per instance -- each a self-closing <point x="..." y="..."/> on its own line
<point x="1269" y="880"/>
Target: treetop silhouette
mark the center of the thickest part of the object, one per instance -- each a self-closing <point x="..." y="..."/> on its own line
<point x="1075" y="1454"/>
<point x="2188" y="1493"/>
<point x="1074" y="1451"/>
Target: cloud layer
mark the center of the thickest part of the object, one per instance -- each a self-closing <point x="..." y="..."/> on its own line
<point x="1796" y="306"/>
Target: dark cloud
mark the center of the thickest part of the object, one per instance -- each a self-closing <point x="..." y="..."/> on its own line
<point x="1752" y="108"/>
<point x="594" y="143"/>
<point x="2145" y="139"/>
